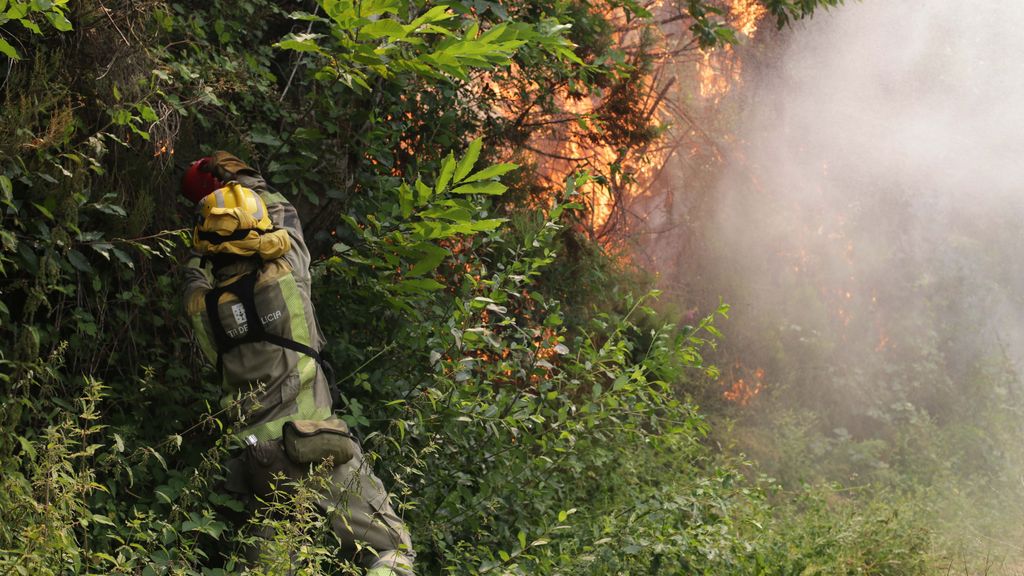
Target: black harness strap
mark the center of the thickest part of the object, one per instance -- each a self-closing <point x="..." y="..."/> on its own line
<point x="215" y="238"/>
<point x="292" y="345"/>
<point x="245" y="290"/>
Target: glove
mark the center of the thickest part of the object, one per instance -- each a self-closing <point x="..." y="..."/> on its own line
<point x="224" y="165"/>
<point x="198" y="181"/>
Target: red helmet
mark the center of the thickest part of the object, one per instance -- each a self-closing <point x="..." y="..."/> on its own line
<point x="197" y="182"/>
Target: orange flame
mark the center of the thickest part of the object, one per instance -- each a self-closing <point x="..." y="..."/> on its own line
<point x="719" y="70"/>
<point x="569" y="144"/>
<point x="746" y="15"/>
<point x="883" y="342"/>
<point x="713" y="84"/>
<point x="163" y="147"/>
<point x="741" y="391"/>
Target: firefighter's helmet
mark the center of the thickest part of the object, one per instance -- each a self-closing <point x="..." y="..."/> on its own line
<point x="235" y="220"/>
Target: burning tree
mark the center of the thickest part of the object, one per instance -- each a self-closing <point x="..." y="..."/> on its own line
<point x="644" y="71"/>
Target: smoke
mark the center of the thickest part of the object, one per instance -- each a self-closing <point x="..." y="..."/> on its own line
<point x="868" y="228"/>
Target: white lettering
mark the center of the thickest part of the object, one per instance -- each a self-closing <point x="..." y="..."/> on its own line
<point x="272" y="317"/>
<point x="239" y="311"/>
<point x="243" y="326"/>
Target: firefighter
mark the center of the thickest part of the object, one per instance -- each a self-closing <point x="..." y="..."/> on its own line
<point x="253" y="317"/>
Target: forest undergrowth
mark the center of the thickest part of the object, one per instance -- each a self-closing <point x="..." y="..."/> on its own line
<point x="512" y="381"/>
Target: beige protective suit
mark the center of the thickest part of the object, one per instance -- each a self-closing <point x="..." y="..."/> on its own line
<point x="291" y="385"/>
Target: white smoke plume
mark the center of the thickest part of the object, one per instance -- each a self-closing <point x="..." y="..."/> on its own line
<point x="867" y="227"/>
<point x="875" y="198"/>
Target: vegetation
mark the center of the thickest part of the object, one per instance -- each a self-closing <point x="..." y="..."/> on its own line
<point x="529" y="409"/>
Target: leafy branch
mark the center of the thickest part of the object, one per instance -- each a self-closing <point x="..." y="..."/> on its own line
<point x="26" y="14"/>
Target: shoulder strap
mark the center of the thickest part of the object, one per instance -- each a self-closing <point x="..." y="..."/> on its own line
<point x="291" y="345"/>
<point x="245" y="290"/>
<point x="215" y="238"/>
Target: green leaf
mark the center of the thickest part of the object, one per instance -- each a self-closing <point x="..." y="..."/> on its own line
<point x="123" y="257"/>
<point x="423" y="192"/>
<point x="112" y="209"/>
<point x="204" y="525"/>
<point x="339" y="10"/>
<point x="454" y="213"/>
<point x="435" y="14"/>
<point x="17" y="10"/>
<point x="58" y="20"/>
<point x="469" y="160"/>
<point x="305" y="16"/>
<point x="44" y="210"/>
<point x="378" y="7"/>
<point x="27" y="447"/>
<point x="405" y="200"/>
<point x="432" y="257"/>
<point x="264" y="137"/>
<point x="489" y="188"/>
<point x="148" y="114"/>
<point x="492" y="172"/>
<point x="101" y="519"/>
<point x="79" y="261"/>
<point x="431" y="230"/>
<point x="139" y="131"/>
<point x="120" y="116"/>
<point x="29" y="25"/>
<point x="418" y="285"/>
<point x="384" y="27"/>
<point x="480" y="226"/>
<point x="103" y="248"/>
<point x="447" y="169"/>
<point x="6" y="187"/>
<point x="300" y="43"/>
<point x="430" y="28"/>
<point x="569" y="55"/>
<point x="8" y="50"/>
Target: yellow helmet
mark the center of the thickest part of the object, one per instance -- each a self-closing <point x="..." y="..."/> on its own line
<point x="235" y="220"/>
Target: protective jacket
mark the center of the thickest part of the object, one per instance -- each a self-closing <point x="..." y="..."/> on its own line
<point x="271" y="298"/>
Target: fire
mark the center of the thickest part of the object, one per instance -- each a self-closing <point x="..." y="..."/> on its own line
<point x="719" y="70"/>
<point x="163" y="147"/>
<point x="572" y="141"/>
<point x="746" y="15"/>
<point x="713" y="84"/>
<point x="883" y="341"/>
<point x="595" y="155"/>
<point x="741" y="391"/>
